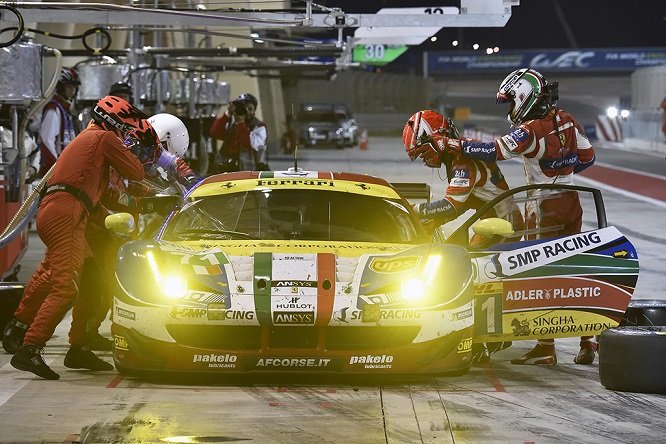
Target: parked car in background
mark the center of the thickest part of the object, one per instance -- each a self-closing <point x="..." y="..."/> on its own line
<point x="326" y="123"/>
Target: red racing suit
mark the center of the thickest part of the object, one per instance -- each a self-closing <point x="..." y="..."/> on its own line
<point x="551" y="153"/>
<point x="472" y="184"/>
<point x="61" y="224"/>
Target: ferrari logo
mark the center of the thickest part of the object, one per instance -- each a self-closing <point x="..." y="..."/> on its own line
<point x="227" y="185"/>
<point x="363" y="186"/>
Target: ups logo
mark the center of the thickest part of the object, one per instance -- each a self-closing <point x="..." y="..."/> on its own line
<point x="395" y="264"/>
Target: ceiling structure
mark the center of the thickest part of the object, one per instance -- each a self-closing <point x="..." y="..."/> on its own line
<point x="287" y="36"/>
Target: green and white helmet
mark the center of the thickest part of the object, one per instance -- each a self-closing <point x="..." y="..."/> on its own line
<point x="527" y="92"/>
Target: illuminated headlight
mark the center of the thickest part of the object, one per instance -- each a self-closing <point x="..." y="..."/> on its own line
<point x="174" y="287"/>
<point x="413" y="289"/>
<point x="171" y="286"/>
<point x="417" y="288"/>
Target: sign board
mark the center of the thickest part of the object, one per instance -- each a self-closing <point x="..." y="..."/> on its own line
<point x="623" y="59"/>
<point x="377" y="54"/>
<point x="396" y="35"/>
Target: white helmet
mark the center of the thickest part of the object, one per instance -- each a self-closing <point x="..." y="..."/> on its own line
<point x="172" y="133"/>
<point x="527" y="92"/>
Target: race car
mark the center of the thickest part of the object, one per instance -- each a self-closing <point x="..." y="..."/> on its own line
<point x="334" y="272"/>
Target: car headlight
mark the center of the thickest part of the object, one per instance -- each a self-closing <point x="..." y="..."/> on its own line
<point x="413" y="289"/>
<point x="416" y="288"/>
<point x="171" y="286"/>
<point x="174" y="287"/>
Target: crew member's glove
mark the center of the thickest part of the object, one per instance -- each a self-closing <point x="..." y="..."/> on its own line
<point x="448" y="144"/>
<point x="425" y="148"/>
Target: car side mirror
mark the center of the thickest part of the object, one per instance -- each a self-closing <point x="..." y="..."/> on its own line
<point x="160" y="204"/>
<point x="121" y="223"/>
<point x="493" y="226"/>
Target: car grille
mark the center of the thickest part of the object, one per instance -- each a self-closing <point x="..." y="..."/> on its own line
<point x="221" y="337"/>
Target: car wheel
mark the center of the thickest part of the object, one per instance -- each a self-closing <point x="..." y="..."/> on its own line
<point x="645" y="312"/>
<point x="633" y="359"/>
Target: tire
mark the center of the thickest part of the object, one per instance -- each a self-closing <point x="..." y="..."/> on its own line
<point x="10" y="298"/>
<point x="643" y="312"/>
<point x="633" y="359"/>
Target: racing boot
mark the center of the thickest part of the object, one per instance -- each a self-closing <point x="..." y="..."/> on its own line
<point x="542" y="354"/>
<point x="82" y="357"/>
<point x="98" y="342"/>
<point x="29" y="358"/>
<point x="13" y="335"/>
<point x="588" y="349"/>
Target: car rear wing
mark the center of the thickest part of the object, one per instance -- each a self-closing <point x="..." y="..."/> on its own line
<point x="414" y="192"/>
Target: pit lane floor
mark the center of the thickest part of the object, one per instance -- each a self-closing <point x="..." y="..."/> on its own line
<point x="497" y="403"/>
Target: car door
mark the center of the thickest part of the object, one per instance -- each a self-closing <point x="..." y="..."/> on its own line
<point x="527" y="288"/>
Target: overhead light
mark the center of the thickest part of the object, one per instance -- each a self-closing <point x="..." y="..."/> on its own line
<point x="612" y="112"/>
<point x="496" y="49"/>
<point x="624" y="113"/>
<point x="433" y="38"/>
<point x="489" y="50"/>
<point x="454" y="43"/>
<point x="254" y="35"/>
<point x="475" y="46"/>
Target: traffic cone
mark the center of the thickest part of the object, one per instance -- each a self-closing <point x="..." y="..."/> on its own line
<point x="363" y="143"/>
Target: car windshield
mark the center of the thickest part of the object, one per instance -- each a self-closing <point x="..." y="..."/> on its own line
<point x="294" y="214"/>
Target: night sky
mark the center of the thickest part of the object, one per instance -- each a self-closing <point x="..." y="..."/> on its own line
<point x="539" y="24"/>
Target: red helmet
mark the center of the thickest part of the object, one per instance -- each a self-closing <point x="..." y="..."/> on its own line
<point x="418" y="131"/>
<point x="144" y="143"/>
<point x="115" y="114"/>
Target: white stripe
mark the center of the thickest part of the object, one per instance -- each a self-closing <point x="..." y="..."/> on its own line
<point x="603" y="186"/>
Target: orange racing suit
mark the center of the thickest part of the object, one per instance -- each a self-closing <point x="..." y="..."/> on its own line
<point x="82" y="169"/>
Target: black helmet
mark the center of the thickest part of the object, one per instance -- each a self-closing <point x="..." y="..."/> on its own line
<point x="121" y="88"/>
<point x="247" y="97"/>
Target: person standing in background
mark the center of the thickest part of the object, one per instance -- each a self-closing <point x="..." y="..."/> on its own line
<point x="57" y="128"/>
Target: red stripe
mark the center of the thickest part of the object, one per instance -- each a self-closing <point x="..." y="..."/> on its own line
<point x="615" y="125"/>
<point x="647" y="186"/>
<point x="494" y="380"/>
<point x="602" y="129"/>
<point x="325" y="296"/>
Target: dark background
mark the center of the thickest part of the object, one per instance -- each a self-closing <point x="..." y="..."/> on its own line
<point x="536" y="24"/>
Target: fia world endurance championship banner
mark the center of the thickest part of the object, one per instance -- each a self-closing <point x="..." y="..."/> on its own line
<point x="575" y="60"/>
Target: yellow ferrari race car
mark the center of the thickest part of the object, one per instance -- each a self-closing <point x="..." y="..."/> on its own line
<point x="334" y="272"/>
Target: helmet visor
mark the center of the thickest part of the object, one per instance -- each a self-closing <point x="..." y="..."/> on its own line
<point x="502" y="98"/>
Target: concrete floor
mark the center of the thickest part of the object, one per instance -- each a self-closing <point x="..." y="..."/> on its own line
<point x="497" y="403"/>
